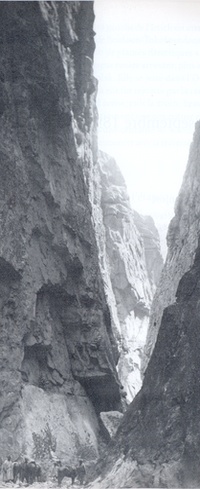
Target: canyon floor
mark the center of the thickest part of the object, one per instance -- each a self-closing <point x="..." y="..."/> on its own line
<point x="53" y="485"/>
<point x="42" y="485"/>
<point x="47" y="485"/>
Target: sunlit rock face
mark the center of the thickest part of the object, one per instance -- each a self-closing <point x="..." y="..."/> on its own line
<point x="111" y="421"/>
<point x="151" y="240"/>
<point x="130" y="260"/>
<point x="58" y="352"/>
<point x="158" y="441"/>
<point x="182" y="241"/>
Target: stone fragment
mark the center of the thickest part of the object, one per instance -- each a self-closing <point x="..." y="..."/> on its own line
<point x="111" y="421"/>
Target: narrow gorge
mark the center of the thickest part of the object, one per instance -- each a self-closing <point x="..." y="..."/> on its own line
<point x="158" y="442"/>
<point x="131" y="263"/>
<point x="99" y="355"/>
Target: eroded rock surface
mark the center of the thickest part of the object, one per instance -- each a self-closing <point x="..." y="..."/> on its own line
<point x="182" y="239"/>
<point x="151" y="240"/>
<point x="130" y="260"/>
<point x="111" y="421"/>
<point x="57" y="345"/>
<point x="158" y="441"/>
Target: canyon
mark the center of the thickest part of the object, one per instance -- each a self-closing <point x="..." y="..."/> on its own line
<point x="157" y="442"/>
<point x="78" y="272"/>
<point x="182" y="241"/>
<point x="131" y="263"/>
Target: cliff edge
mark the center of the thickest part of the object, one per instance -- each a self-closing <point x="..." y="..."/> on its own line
<point x="182" y="240"/>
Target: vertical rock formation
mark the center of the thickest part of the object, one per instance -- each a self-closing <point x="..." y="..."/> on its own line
<point x="158" y="441"/>
<point x="58" y="353"/>
<point x="130" y="261"/>
<point x="70" y="243"/>
<point x="151" y="240"/>
<point x="182" y="239"/>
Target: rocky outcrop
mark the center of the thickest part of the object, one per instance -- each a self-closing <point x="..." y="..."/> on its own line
<point x="111" y="421"/>
<point x="130" y="261"/>
<point x="158" y="441"/>
<point x="182" y="239"/>
<point x="58" y="352"/>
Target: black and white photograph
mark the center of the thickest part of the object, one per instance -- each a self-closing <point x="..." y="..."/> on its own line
<point x="99" y="244"/>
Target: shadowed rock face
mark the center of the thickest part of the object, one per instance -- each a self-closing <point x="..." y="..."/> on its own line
<point x="57" y="344"/>
<point x="158" y="441"/>
<point x="182" y="239"/>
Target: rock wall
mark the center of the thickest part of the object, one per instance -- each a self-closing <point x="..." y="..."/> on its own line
<point x="151" y="240"/>
<point x="158" y="441"/>
<point x="130" y="260"/>
<point x="182" y="239"/>
<point x="58" y="352"/>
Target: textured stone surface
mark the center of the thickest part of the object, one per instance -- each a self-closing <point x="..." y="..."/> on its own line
<point x="111" y="421"/>
<point x="126" y="472"/>
<point x="63" y="426"/>
<point x="151" y="240"/>
<point x="56" y="337"/>
<point x="158" y="441"/>
<point x="130" y="261"/>
<point x="182" y="241"/>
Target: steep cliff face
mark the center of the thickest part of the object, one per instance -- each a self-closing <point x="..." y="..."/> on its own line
<point x="57" y="362"/>
<point x="182" y="242"/>
<point x="158" y="442"/>
<point x="130" y="261"/>
<point x="151" y="240"/>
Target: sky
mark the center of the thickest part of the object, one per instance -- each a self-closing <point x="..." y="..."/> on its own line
<point x="147" y="61"/>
